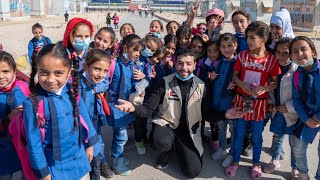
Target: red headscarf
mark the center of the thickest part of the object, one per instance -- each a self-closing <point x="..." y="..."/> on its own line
<point x="71" y="25"/>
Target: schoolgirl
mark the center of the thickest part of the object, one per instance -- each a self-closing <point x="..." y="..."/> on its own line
<point x="66" y="149"/>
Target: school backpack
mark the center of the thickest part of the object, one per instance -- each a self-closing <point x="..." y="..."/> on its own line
<point x="18" y="133"/>
<point x="296" y="75"/>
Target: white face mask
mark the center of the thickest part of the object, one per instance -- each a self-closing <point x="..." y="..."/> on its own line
<point x="304" y="65"/>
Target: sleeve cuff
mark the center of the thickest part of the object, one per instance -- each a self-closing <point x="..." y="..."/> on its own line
<point x="318" y="115"/>
<point x="41" y="173"/>
<point x="304" y="118"/>
<point x="93" y="140"/>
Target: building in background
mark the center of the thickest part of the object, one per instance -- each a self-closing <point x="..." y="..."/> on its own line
<point x="304" y="13"/>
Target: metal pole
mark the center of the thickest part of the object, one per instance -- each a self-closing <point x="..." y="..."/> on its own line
<point x="109" y="5"/>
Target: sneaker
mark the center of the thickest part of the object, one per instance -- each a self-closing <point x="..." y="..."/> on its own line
<point x="141" y="149"/>
<point x="162" y="162"/>
<point x="227" y="161"/>
<point x="119" y="167"/>
<point x="269" y="168"/>
<point x="294" y="174"/>
<point x="218" y="154"/>
<point x="106" y="172"/>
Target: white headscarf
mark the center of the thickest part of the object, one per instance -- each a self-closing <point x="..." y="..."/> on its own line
<point x="282" y="18"/>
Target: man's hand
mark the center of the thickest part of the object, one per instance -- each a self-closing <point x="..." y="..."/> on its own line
<point x="125" y="106"/>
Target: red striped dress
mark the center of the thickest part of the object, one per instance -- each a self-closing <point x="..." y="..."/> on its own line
<point x="255" y="71"/>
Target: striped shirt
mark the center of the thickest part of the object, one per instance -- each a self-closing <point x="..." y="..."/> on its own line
<point x="255" y="71"/>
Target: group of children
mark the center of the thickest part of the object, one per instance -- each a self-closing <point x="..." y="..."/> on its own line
<point x="75" y="84"/>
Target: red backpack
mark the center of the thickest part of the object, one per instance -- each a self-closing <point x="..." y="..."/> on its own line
<point x="18" y="133"/>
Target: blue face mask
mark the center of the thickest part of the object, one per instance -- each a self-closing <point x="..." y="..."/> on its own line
<point x="126" y="56"/>
<point x="185" y="79"/>
<point x="305" y="65"/>
<point x="146" y="52"/>
<point x="81" y="45"/>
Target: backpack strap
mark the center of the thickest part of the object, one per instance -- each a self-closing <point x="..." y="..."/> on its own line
<point x="296" y="79"/>
<point x="41" y="119"/>
<point x="24" y="87"/>
<point x="111" y="69"/>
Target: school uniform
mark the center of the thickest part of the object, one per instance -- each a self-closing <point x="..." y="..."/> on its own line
<point x="283" y="123"/>
<point x="202" y="69"/>
<point x="10" y="162"/>
<point x="222" y="98"/>
<point x="62" y="153"/>
<point x="306" y="102"/>
<point x="163" y="70"/>
<point x="242" y="42"/>
<point x="35" y="42"/>
<point x="98" y="117"/>
<point x="78" y="58"/>
<point x="121" y="87"/>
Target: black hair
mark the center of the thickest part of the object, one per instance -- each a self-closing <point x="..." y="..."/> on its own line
<point x="160" y="50"/>
<point x="183" y="31"/>
<point x="108" y="30"/>
<point x="243" y="13"/>
<point x="160" y="23"/>
<point x="306" y="39"/>
<point x="199" y="38"/>
<point x="285" y="40"/>
<point x="60" y="52"/>
<point x="170" y="38"/>
<point x="6" y="57"/>
<point x="95" y="55"/>
<point x="227" y="37"/>
<point x="211" y="42"/>
<point x="202" y="23"/>
<point x="152" y="38"/>
<point x="261" y="29"/>
<point x="167" y="26"/>
<point x="132" y="40"/>
<point x="36" y="26"/>
<point x="185" y="52"/>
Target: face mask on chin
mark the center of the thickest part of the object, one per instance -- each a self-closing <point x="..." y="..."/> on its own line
<point x="304" y="65"/>
<point x="186" y="78"/>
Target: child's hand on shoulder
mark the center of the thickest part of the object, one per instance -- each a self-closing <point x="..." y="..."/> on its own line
<point x="89" y="152"/>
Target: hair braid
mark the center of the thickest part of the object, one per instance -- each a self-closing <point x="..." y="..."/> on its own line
<point x="32" y="88"/>
<point x="75" y="90"/>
